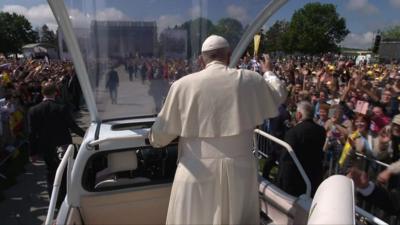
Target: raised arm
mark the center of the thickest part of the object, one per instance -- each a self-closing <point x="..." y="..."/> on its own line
<point x="277" y="86"/>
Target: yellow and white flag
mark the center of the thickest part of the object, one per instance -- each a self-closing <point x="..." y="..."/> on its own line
<point x="257" y="39"/>
<point x="347" y="148"/>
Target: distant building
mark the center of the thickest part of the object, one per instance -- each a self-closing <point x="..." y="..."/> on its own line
<point x="114" y="39"/>
<point x="83" y="38"/>
<point x="123" y="38"/>
<point x="39" y="50"/>
<point x="389" y="50"/>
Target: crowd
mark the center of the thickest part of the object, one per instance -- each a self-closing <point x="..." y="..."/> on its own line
<point x="356" y="104"/>
<point x="20" y="89"/>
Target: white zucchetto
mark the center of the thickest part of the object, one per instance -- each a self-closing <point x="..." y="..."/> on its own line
<point x="214" y="42"/>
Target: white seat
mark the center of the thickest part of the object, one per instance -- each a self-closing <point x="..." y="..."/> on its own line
<point x="119" y="162"/>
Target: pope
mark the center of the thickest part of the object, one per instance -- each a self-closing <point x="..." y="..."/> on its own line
<point x="214" y="112"/>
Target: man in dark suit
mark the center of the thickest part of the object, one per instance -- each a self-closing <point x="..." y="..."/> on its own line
<point x="112" y="85"/>
<point x="307" y="139"/>
<point x="50" y="124"/>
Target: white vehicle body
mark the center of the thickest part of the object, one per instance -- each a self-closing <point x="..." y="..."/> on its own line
<point x="118" y="178"/>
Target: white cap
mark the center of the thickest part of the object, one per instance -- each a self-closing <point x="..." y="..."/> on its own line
<point x="214" y="42"/>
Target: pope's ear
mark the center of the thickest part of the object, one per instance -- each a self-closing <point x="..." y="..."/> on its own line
<point x="201" y="62"/>
<point x="229" y="57"/>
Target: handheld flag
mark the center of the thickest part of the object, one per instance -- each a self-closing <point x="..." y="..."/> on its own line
<point x="257" y="39"/>
<point x="347" y="148"/>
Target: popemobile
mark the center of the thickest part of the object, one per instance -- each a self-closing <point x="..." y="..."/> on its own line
<point x="116" y="176"/>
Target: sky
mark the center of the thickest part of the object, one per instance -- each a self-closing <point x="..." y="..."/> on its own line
<point x="363" y="17"/>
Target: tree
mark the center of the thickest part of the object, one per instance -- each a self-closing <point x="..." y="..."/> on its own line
<point x="15" y="31"/>
<point x="274" y="37"/>
<point x="315" y="28"/>
<point x="391" y="34"/>
<point x="198" y="30"/>
<point x="48" y="36"/>
<point x="231" y="29"/>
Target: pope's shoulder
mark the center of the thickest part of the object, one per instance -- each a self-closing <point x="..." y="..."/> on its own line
<point x="242" y="73"/>
<point x="251" y="74"/>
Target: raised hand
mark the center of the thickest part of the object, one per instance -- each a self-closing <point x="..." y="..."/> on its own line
<point x="266" y="63"/>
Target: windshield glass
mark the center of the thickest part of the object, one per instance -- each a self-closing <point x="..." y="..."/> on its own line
<point x="134" y="50"/>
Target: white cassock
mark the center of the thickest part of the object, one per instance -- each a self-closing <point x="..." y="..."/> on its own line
<point x="214" y="112"/>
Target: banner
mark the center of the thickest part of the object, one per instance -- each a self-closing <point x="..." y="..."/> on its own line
<point x="257" y="39"/>
<point x="347" y="148"/>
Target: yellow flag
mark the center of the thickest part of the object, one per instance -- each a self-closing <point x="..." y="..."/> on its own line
<point x="347" y="148"/>
<point x="257" y="39"/>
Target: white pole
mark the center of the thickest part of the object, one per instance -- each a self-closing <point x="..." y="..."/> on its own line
<point x="57" y="184"/>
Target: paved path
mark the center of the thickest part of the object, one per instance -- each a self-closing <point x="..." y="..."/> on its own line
<point x="135" y="97"/>
<point x="26" y="202"/>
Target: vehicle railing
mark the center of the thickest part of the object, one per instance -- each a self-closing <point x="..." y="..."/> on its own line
<point x="291" y="153"/>
<point x="372" y="160"/>
<point x="93" y="143"/>
<point x="369" y="217"/>
<point x="359" y="211"/>
<point x="57" y="183"/>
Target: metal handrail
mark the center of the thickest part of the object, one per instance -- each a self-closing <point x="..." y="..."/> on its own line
<point x="293" y="155"/>
<point x="93" y="143"/>
<point x="371" y="218"/>
<point x="372" y="160"/>
<point x="57" y="183"/>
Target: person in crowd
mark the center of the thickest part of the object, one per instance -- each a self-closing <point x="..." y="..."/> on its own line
<point x="307" y="140"/>
<point x="388" y="200"/>
<point x="360" y="141"/>
<point x="378" y="119"/>
<point x="131" y="69"/>
<point x="213" y="112"/>
<point x="323" y="115"/>
<point x="321" y="100"/>
<point x="49" y="125"/>
<point x="112" y="84"/>
<point x="338" y="122"/>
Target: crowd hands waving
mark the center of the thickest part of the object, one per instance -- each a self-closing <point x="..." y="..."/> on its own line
<point x="357" y="104"/>
<point x="20" y="89"/>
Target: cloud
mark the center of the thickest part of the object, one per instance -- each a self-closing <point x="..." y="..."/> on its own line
<point x="165" y="21"/>
<point x="42" y="14"/>
<point x="362" y="41"/>
<point x="395" y="3"/>
<point x="238" y="12"/>
<point x="362" y="6"/>
<point x="38" y="15"/>
<point x="195" y="11"/>
<point x="111" y="14"/>
<point x="80" y="19"/>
